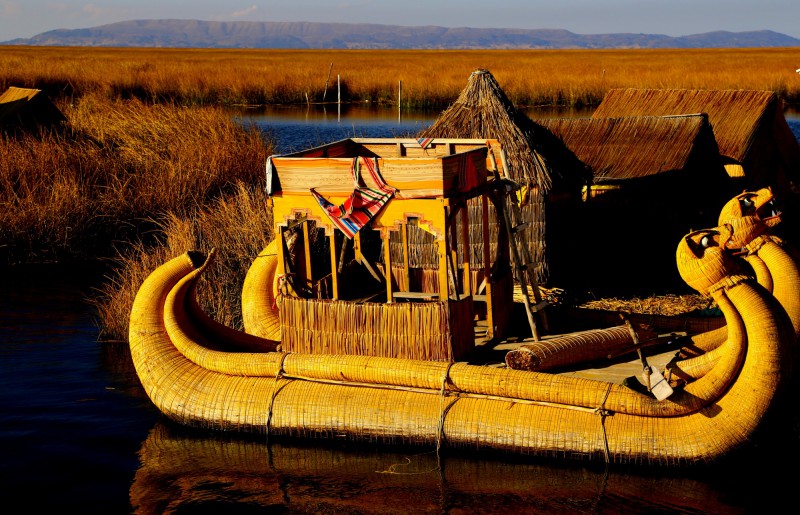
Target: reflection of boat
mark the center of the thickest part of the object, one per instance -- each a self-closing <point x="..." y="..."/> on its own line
<point x="377" y="371"/>
<point x="183" y="471"/>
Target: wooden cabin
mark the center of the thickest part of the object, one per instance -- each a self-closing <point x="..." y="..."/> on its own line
<point x="352" y="293"/>
<point x="654" y="178"/>
<point x="26" y="109"/>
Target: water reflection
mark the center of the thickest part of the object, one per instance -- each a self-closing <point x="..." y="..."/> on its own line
<point x="182" y="471"/>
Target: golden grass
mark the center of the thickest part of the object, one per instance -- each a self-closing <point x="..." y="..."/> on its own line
<point x="72" y="194"/>
<point x="134" y="184"/>
<point x="430" y="78"/>
<point x="238" y="225"/>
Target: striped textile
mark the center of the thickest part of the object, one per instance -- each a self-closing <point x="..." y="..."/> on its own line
<point x="424" y="142"/>
<point x="363" y="204"/>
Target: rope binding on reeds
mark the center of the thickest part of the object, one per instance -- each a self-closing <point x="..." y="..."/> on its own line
<point x="603" y="412"/>
<point x="280" y="374"/>
<point x="442" y="411"/>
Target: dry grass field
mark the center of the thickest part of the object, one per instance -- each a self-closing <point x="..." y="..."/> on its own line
<point x="430" y="78"/>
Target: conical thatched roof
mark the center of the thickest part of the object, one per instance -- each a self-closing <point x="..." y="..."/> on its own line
<point x="482" y="110"/>
<point x="536" y="158"/>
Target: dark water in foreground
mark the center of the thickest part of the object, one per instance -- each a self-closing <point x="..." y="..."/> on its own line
<point x="78" y="435"/>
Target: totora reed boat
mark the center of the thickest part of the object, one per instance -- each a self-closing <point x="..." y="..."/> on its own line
<point x="349" y="333"/>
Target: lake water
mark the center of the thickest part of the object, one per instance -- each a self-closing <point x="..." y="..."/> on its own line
<point x="304" y="127"/>
<point x="79" y="435"/>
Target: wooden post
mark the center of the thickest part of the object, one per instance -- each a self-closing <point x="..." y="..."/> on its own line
<point x="334" y="265"/>
<point x="327" y="79"/>
<point x="487" y="266"/>
<point x="338" y="89"/>
<point x="453" y="257"/>
<point x="281" y="268"/>
<point x="406" y="268"/>
<point x="387" y="262"/>
<point x="465" y="244"/>
<point x="441" y="250"/>
<point x="399" y="97"/>
<point x="307" y="250"/>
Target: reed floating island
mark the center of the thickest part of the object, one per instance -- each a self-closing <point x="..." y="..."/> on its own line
<point x="370" y="315"/>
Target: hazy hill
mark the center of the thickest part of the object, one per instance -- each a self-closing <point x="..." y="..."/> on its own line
<point x="241" y="34"/>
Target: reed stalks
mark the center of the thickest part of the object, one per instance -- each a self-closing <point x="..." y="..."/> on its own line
<point x="74" y="194"/>
<point x="430" y="78"/>
<point x="238" y="224"/>
<point x="128" y="185"/>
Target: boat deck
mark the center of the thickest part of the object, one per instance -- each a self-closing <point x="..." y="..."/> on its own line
<point x="618" y="370"/>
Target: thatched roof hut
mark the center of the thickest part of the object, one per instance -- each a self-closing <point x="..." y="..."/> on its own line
<point x="756" y="143"/>
<point x="653" y="180"/>
<point x="537" y="161"/>
<point x="25" y="109"/>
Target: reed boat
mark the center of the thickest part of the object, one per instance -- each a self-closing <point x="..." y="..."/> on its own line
<point x="325" y="353"/>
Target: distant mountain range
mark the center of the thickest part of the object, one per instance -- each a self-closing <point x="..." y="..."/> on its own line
<point x="243" y="34"/>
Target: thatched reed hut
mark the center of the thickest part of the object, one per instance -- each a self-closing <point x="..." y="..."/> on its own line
<point x="26" y="109"/>
<point x="544" y="169"/>
<point x="756" y="143"/>
<point x="653" y="180"/>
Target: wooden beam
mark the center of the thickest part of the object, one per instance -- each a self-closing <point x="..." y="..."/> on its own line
<point x="279" y="233"/>
<point x="487" y="267"/>
<point x="307" y="250"/>
<point x="406" y="266"/>
<point x="387" y="263"/>
<point x="465" y="244"/>
<point x="453" y="244"/>
<point x="334" y="265"/>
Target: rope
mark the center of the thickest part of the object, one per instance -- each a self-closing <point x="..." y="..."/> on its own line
<point x="603" y="412"/>
<point x="274" y="393"/>
<point x="727" y="282"/>
<point x="442" y="411"/>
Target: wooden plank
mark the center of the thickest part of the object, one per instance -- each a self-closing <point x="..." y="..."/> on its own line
<point x="415" y="295"/>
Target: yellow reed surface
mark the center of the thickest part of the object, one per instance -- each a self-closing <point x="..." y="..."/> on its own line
<point x="188" y="376"/>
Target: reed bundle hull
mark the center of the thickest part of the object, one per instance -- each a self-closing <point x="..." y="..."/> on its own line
<point x="191" y="377"/>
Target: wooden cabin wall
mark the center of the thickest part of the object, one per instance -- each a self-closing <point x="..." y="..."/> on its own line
<point x="431" y="331"/>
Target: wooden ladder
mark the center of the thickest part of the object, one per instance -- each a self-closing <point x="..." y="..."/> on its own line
<point x="524" y="265"/>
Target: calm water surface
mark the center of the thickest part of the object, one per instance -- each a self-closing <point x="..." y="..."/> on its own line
<point x="79" y="435"/>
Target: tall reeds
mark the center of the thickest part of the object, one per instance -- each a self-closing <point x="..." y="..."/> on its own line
<point x="430" y="78"/>
<point x="76" y="193"/>
<point x="131" y="184"/>
<point x="238" y="225"/>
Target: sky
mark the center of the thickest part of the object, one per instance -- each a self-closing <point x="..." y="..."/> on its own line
<point x="27" y="18"/>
